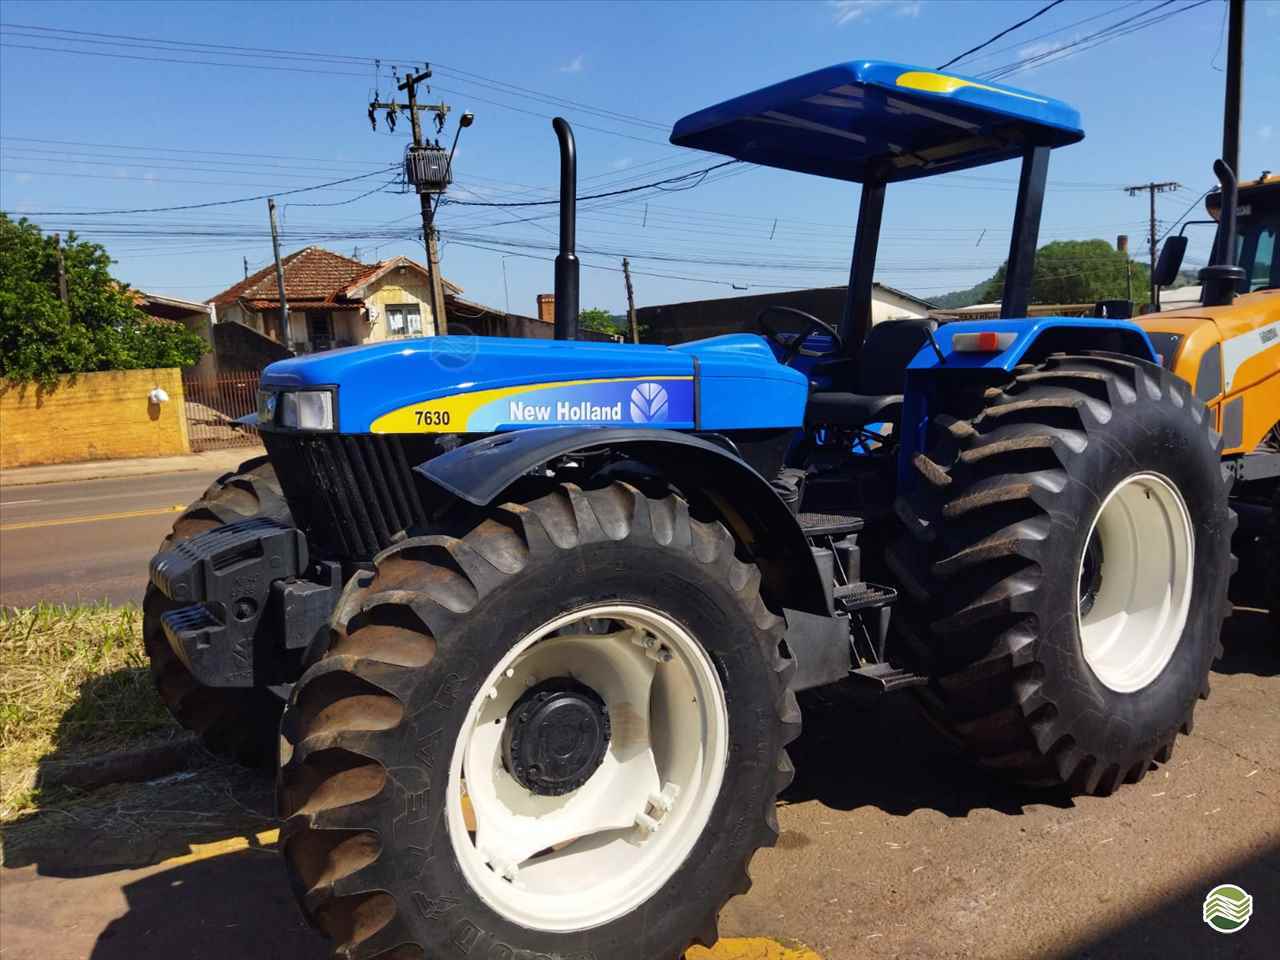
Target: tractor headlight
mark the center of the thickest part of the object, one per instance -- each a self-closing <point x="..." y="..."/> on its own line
<point x="267" y="406"/>
<point x="306" y="409"/>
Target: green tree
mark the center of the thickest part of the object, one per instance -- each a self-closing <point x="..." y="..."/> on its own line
<point x="1078" y="271"/>
<point x="99" y="328"/>
<point x="597" y="321"/>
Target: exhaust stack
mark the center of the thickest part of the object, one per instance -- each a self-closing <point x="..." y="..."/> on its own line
<point x="567" y="260"/>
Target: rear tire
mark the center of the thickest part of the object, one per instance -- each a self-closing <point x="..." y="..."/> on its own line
<point x="234" y="722"/>
<point x="385" y="856"/>
<point x="1057" y="655"/>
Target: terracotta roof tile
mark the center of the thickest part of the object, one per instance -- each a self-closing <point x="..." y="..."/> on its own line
<point x="312" y="273"/>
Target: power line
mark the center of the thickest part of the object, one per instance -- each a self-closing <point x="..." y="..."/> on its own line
<point x="1005" y="32"/>
<point x="1062" y="29"/>
<point x="196" y="206"/>
<point x="1182" y="216"/>
<point x="1111" y="32"/>
<point x="330" y="57"/>
<point x="595" y="196"/>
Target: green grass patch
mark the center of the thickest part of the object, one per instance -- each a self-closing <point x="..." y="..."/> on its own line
<point x="74" y="683"/>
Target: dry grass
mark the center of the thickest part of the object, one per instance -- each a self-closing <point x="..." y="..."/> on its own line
<point x="74" y="681"/>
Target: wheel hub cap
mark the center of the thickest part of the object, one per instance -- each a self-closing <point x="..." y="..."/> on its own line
<point x="556" y="736"/>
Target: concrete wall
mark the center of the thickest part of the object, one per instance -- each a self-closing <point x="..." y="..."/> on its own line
<point x="93" y="416"/>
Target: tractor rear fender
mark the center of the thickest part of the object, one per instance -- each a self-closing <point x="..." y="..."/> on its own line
<point x="480" y="472"/>
<point x="933" y="371"/>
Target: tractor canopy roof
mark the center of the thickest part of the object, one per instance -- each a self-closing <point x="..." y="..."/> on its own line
<point x="873" y="120"/>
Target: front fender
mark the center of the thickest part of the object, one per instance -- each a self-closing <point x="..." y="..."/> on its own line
<point x="480" y="472"/>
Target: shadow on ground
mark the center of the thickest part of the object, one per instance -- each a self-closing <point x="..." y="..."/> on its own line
<point x="183" y="795"/>
<point x="1173" y="929"/>
<point x="887" y="755"/>
<point x="1249" y="644"/>
<point x="236" y="905"/>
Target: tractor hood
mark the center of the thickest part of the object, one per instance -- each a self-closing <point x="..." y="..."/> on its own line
<point x="466" y="384"/>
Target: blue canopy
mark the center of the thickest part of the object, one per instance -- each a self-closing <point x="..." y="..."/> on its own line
<point x="868" y="119"/>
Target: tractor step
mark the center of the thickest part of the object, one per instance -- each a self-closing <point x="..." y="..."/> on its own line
<point x="880" y="678"/>
<point x="863" y="595"/>
<point x="829" y="524"/>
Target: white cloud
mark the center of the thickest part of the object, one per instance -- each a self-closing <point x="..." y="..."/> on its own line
<point x="847" y="11"/>
<point x="1265" y="131"/>
<point x="573" y="66"/>
<point x="622" y="163"/>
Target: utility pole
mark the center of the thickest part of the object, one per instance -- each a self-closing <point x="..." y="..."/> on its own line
<point x="62" y="268"/>
<point x="410" y="86"/>
<point x="631" y="301"/>
<point x="1152" y="189"/>
<point x="246" y="267"/>
<point x="284" y="301"/>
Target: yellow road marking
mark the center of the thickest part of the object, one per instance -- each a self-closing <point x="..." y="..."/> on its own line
<point x="266" y="840"/>
<point x="734" y="948"/>
<point x="123" y="515"/>
<point x="752" y="948"/>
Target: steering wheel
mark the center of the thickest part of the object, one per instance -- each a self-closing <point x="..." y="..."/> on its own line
<point x="796" y="347"/>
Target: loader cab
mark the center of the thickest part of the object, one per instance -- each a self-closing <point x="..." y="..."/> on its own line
<point x="877" y="123"/>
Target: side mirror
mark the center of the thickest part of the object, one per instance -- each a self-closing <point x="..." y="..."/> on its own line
<point x="1170" y="261"/>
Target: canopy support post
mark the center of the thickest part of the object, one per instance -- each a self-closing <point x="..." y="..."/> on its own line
<point x="856" y="322"/>
<point x="1026" y="233"/>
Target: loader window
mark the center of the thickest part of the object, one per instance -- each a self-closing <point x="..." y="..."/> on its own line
<point x="1257" y="253"/>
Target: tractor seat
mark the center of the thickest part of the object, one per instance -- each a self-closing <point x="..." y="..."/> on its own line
<point x="875" y="377"/>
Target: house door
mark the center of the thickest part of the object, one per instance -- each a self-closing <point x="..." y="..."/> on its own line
<point x="404" y="320"/>
<point x="320" y="329"/>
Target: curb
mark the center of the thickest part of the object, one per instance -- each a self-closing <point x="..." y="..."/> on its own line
<point x="126" y="766"/>
<point x="212" y="460"/>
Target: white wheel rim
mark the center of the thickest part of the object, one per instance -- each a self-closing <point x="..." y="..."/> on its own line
<point x="1139" y="603"/>
<point x="621" y="835"/>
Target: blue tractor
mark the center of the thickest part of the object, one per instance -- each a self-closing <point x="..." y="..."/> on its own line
<point x="536" y="612"/>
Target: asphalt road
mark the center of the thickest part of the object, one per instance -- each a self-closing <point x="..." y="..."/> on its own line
<point x="891" y="847"/>
<point x="87" y="540"/>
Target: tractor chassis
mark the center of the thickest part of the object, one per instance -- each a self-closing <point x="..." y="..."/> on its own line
<point x="255" y="603"/>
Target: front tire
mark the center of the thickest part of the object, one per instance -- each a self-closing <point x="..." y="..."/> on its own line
<point x="1070" y="556"/>
<point x="415" y="818"/>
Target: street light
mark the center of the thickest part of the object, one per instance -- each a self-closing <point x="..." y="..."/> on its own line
<point x="466" y="120"/>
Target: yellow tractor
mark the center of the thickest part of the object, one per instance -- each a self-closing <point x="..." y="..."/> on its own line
<point x="1228" y="348"/>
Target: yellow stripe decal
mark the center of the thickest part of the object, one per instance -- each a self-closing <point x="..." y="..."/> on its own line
<point x="942" y="83"/>
<point x="453" y="414"/>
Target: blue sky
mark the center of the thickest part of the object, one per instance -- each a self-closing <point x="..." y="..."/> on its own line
<point x="93" y="122"/>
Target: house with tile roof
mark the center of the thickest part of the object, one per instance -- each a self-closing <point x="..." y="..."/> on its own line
<point x="334" y="301"/>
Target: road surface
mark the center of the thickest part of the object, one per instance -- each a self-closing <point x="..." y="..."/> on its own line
<point x="87" y="540"/>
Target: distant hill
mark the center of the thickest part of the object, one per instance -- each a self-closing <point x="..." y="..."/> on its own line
<point x="960" y="298"/>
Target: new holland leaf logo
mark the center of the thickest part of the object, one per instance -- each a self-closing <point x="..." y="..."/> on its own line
<point x="648" y="403"/>
<point x="1227" y="908"/>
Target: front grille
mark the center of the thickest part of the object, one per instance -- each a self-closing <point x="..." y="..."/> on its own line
<point x="352" y="494"/>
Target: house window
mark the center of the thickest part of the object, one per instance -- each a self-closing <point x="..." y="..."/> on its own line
<point x="320" y="329"/>
<point x="404" y="320"/>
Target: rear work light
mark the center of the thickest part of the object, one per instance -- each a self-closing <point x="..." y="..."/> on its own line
<point x="984" y="341"/>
